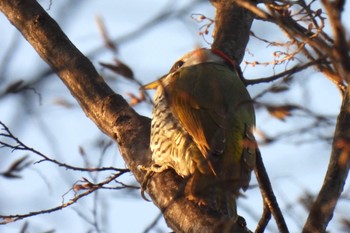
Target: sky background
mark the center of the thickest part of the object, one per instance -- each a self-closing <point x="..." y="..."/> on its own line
<point x="57" y="130"/>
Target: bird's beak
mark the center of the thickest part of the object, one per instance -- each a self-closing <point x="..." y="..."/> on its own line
<point x="154" y="84"/>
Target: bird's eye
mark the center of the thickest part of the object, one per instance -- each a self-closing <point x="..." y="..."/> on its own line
<point x="176" y="66"/>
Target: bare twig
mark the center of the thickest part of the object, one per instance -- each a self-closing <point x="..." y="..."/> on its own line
<point x="91" y="189"/>
<point x="153" y="223"/>
<point x="264" y="220"/>
<point x="19" y="145"/>
<point x="268" y="196"/>
<point x="311" y="41"/>
<point x="290" y="71"/>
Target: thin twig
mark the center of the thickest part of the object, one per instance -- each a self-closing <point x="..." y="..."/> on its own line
<point x="264" y="220"/>
<point x="269" y="197"/>
<point x="153" y="223"/>
<point x="21" y="146"/>
<point x="291" y="71"/>
<point x="16" y="217"/>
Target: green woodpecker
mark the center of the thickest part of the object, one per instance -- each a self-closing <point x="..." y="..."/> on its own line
<point x="202" y="125"/>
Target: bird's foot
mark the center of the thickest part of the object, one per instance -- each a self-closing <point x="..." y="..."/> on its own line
<point x="150" y="171"/>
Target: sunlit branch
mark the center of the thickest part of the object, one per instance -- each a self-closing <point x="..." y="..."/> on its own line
<point x="264" y="220"/>
<point x="288" y="72"/>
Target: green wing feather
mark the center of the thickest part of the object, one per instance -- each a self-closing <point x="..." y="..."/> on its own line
<point x="205" y="98"/>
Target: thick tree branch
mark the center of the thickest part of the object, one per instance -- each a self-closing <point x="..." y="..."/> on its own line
<point x="114" y="116"/>
<point x="322" y="210"/>
<point x="341" y="47"/>
<point x="232" y="28"/>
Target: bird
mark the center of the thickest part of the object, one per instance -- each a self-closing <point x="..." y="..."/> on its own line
<point x="202" y="127"/>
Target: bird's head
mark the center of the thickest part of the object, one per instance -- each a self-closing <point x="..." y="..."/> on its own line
<point x="199" y="56"/>
<point x="195" y="57"/>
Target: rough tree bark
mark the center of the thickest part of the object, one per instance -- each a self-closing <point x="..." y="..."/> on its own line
<point x="112" y="114"/>
<point x="232" y="28"/>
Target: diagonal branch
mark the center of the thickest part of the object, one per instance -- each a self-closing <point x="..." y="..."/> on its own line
<point x="322" y="210"/>
<point x="269" y="197"/>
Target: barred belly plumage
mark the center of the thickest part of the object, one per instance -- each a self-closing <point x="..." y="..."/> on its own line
<point x="170" y="143"/>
